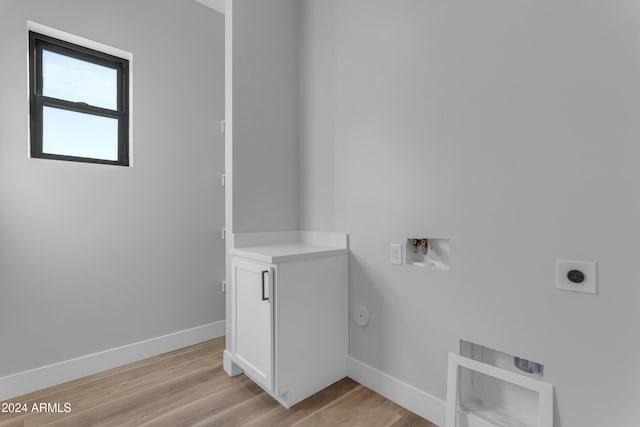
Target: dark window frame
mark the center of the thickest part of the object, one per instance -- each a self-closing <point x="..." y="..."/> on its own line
<point x="39" y="42"/>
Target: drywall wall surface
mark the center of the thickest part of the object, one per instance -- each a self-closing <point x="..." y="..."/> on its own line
<point x="317" y="112"/>
<point x="510" y="128"/>
<point x="265" y="115"/>
<point x="92" y="256"/>
<point x="217" y="5"/>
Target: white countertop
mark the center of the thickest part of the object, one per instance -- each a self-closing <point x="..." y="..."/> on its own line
<point x="273" y="254"/>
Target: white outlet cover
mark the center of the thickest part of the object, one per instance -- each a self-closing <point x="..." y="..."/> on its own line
<point x="590" y="284"/>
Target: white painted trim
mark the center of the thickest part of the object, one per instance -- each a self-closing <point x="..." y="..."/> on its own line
<point x="229" y="366"/>
<point x="417" y="401"/>
<point x="228" y="152"/>
<point x="57" y="373"/>
<point x="217" y="5"/>
<point x="72" y="38"/>
<point x="424" y="404"/>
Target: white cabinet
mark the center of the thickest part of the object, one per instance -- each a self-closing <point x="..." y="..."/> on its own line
<point x="288" y="318"/>
<point x="252" y="322"/>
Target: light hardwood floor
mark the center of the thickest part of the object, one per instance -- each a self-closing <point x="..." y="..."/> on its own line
<point x="188" y="387"/>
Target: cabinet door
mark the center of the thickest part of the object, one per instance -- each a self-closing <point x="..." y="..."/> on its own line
<point x="252" y="303"/>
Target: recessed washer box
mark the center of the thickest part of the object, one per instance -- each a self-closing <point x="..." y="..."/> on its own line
<point x="589" y="283"/>
<point x="429" y="253"/>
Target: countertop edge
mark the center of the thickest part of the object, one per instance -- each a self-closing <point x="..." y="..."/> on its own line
<point x="276" y="259"/>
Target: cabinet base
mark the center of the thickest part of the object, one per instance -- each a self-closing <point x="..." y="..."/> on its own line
<point x="229" y="366"/>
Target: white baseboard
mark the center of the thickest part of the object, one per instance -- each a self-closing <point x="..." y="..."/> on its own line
<point x="406" y="395"/>
<point x="36" y="379"/>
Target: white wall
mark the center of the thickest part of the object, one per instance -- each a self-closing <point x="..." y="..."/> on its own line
<point x="511" y="128"/>
<point x="93" y="257"/>
<point x="264" y="115"/>
<point x="317" y="116"/>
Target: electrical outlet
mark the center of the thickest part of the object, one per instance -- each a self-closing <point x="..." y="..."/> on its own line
<point x="395" y="254"/>
<point x="576" y="276"/>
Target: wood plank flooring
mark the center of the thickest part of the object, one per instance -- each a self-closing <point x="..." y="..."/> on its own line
<point x="188" y="387"/>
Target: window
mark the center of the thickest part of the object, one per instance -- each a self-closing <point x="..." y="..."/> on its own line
<point x="79" y="102"/>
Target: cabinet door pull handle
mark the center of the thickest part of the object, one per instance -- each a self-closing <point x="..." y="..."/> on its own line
<point x="263" y="297"/>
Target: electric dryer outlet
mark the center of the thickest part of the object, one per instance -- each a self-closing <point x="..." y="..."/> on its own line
<point x="577" y="276"/>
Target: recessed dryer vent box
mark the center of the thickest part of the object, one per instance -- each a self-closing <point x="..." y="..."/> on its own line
<point x="434" y="254"/>
<point x="500" y="400"/>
